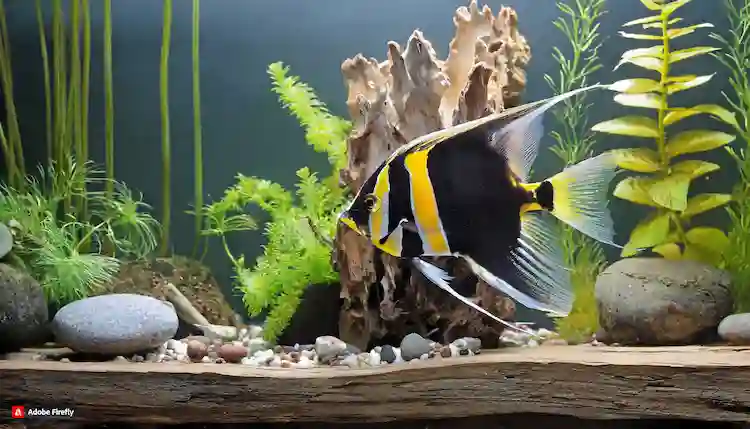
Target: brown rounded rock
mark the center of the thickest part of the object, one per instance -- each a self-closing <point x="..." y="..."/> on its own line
<point x="232" y="353"/>
<point x="196" y="350"/>
<point x="445" y="352"/>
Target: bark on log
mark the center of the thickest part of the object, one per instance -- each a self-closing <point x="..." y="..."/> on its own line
<point x="390" y="103"/>
<point x="700" y="383"/>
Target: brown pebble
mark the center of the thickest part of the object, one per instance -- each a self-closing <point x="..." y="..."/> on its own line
<point x="445" y="352"/>
<point x="286" y="364"/>
<point x="294" y="356"/>
<point x="196" y="350"/>
<point x="232" y="353"/>
<point x="220" y="360"/>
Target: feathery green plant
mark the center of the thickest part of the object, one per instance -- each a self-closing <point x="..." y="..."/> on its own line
<point x="665" y="230"/>
<point x="53" y="245"/>
<point x="574" y="143"/>
<point x="166" y="151"/>
<point x="297" y="254"/>
<point x="736" y="58"/>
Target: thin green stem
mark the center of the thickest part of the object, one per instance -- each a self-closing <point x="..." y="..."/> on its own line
<point x="85" y="95"/>
<point x="109" y="133"/>
<point x="14" y="147"/>
<point x="46" y="72"/>
<point x="74" y="96"/>
<point x="166" y="161"/>
<point x="198" y="129"/>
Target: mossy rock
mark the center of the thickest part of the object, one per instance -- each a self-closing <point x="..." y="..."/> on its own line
<point x="190" y="277"/>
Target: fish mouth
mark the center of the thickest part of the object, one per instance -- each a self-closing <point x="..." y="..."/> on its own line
<point x="346" y="220"/>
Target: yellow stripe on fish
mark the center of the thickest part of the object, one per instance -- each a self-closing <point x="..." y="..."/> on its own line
<point x="379" y="216"/>
<point x="424" y="205"/>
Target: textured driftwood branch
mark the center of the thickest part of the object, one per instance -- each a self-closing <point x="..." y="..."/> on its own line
<point x="392" y="102"/>
<point x="707" y="384"/>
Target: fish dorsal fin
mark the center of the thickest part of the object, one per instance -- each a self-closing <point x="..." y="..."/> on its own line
<point x="519" y="140"/>
<point x="440" y="278"/>
<point x="539" y="261"/>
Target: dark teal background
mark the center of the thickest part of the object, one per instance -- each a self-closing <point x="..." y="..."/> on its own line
<point x="245" y="128"/>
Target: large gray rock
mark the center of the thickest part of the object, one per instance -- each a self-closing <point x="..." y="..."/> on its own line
<point x="655" y="301"/>
<point x="115" y="324"/>
<point x="23" y="310"/>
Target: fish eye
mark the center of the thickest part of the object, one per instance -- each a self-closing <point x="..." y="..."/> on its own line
<point x="371" y="202"/>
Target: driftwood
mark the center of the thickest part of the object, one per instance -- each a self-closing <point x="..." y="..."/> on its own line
<point x="183" y="307"/>
<point x="699" y="383"/>
<point x="390" y="103"/>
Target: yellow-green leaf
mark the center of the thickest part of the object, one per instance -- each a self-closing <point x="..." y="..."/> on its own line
<point x="670" y="251"/>
<point x="652" y="5"/>
<point x="636" y="190"/>
<point x="716" y="111"/>
<point x="634" y="126"/>
<point x="669" y="8"/>
<point x="681" y="86"/>
<point x="681" y="78"/>
<point x="684" y="54"/>
<point x="639" y="36"/>
<point x="653" y="51"/>
<point x="647" y="101"/>
<point x="648" y="63"/>
<point x="635" y="86"/>
<point x="641" y="160"/>
<point x="671" y="191"/>
<point x="650" y="232"/>
<point x="700" y="253"/>
<point x="704" y="202"/>
<point x="645" y="20"/>
<point x="658" y="24"/>
<point x="679" y="32"/>
<point x="697" y="141"/>
<point x="694" y="168"/>
<point x="710" y="238"/>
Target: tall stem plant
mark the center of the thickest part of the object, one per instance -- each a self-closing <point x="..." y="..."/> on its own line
<point x="736" y="58"/>
<point x="10" y="139"/>
<point x="166" y="155"/>
<point x="198" y="129"/>
<point x="574" y="143"/>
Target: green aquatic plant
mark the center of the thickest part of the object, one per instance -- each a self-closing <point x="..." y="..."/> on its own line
<point x="574" y="143"/>
<point x="53" y="245"/>
<point x="666" y="230"/>
<point x="166" y="150"/>
<point x="298" y="254"/>
<point x="197" y="126"/>
<point x="736" y="58"/>
<point x="10" y="139"/>
<point x="109" y="102"/>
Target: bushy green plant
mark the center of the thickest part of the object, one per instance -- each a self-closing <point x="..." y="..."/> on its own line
<point x="667" y="229"/>
<point x="736" y="57"/>
<point x="574" y="143"/>
<point x="298" y="253"/>
<point x="54" y="247"/>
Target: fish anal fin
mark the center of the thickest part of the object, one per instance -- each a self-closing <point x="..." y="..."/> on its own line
<point x="441" y="279"/>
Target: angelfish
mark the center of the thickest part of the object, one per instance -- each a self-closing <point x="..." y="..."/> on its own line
<point x="464" y="192"/>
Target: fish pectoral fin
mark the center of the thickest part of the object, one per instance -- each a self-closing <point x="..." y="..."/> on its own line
<point x="403" y="225"/>
<point x="440" y="278"/>
<point x="519" y="140"/>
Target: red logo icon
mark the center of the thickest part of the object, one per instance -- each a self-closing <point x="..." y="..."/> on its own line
<point x="17" y="412"/>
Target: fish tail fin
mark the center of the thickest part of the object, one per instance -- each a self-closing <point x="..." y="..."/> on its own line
<point x="578" y="196"/>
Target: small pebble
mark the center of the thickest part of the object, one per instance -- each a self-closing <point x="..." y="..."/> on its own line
<point x="387" y="354"/>
<point x="232" y="352"/>
<point x="196" y="350"/>
<point x="413" y="346"/>
<point x="66" y="360"/>
<point x="220" y="360"/>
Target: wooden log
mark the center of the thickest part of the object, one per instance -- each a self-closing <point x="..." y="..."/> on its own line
<point x="700" y="383"/>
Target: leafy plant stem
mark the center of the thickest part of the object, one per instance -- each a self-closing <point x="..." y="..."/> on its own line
<point x="109" y="132"/>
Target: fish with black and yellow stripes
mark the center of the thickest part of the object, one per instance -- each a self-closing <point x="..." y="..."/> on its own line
<point x="464" y="191"/>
